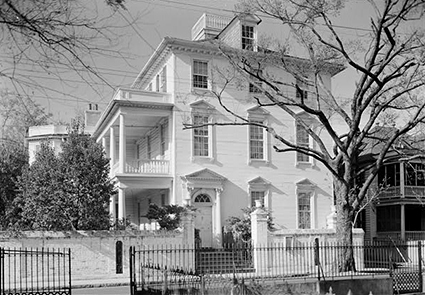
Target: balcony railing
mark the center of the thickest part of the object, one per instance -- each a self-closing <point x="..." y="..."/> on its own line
<point x="148" y="167"/>
<point x="410" y="192"/>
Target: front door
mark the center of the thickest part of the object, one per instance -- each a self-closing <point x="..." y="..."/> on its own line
<point x="203" y="219"/>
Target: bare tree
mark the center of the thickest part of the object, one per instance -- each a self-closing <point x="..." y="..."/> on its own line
<point x="389" y="61"/>
<point x="52" y="38"/>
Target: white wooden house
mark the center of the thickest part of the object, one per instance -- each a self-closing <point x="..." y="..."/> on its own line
<point x="218" y="170"/>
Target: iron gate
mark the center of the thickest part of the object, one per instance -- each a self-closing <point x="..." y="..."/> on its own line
<point x="35" y="271"/>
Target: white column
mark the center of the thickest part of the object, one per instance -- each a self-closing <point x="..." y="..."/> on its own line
<point x="112" y="147"/>
<point x="121" y="203"/>
<point x="122" y="146"/>
<point x="218" y="217"/>
<point x="104" y="144"/>
<point x="403" y="222"/>
<point x="112" y="211"/>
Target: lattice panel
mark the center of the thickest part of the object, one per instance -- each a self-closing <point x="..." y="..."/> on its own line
<point x="406" y="282"/>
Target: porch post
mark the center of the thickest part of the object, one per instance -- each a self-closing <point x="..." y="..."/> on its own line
<point x="104" y="144"/>
<point x="112" y="211"/>
<point x="403" y="222"/>
<point x="112" y="147"/>
<point x="218" y="216"/>
<point x="122" y="146"/>
<point x="121" y="203"/>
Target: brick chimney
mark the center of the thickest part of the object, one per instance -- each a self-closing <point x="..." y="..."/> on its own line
<point x="92" y="115"/>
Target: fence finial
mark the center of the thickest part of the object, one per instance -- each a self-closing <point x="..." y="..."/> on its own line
<point x="330" y="291"/>
<point x="370" y="293"/>
<point x="349" y="292"/>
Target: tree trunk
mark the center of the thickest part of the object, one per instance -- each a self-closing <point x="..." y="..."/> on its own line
<point x="344" y="226"/>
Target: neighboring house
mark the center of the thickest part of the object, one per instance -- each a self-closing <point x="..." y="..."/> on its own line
<point x="397" y="198"/>
<point x="56" y="134"/>
<point x="218" y="170"/>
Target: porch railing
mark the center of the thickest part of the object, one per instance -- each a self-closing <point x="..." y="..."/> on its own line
<point x="148" y="167"/>
<point x="410" y="192"/>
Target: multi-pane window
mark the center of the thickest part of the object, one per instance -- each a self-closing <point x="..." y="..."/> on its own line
<point x="200" y="136"/>
<point x="301" y="92"/>
<point x="253" y="88"/>
<point x="248" y="37"/>
<point x="303" y="140"/>
<point x="202" y="198"/>
<point x="389" y="175"/>
<point x="304" y="210"/>
<point x="256" y="141"/>
<point x="162" y="139"/>
<point x="200" y="74"/>
<point x="163" y="86"/>
<point x="257" y="195"/>
<point x="414" y="174"/>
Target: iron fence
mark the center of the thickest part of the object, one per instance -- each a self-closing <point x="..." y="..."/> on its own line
<point x="35" y="271"/>
<point x="156" y="268"/>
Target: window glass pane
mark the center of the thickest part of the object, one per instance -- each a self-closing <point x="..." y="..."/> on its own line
<point x="303" y="141"/>
<point x="248" y="37"/>
<point x="200" y="136"/>
<point x="256" y="141"/>
<point x="200" y="74"/>
<point x="257" y="195"/>
<point x="304" y="211"/>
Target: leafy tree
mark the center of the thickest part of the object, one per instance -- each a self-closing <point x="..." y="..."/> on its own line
<point x="388" y="90"/>
<point x="13" y="161"/>
<point x="168" y="216"/>
<point x="68" y="191"/>
<point x="240" y="227"/>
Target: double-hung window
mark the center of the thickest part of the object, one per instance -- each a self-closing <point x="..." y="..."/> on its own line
<point x="248" y="37"/>
<point x="304" y="210"/>
<point x="200" y="136"/>
<point x="256" y="141"/>
<point x="200" y="74"/>
<point x="303" y="140"/>
<point x="301" y="92"/>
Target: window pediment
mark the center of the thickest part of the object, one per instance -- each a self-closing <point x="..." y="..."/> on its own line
<point x="257" y="111"/>
<point x="202" y="104"/>
<point x="305" y="184"/>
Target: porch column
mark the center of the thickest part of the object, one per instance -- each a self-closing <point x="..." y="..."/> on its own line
<point x="112" y="211"/>
<point x="104" y="144"/>
<point x="218" y="217"/>
<point x="121" y="203"/>
<point x="403" y="222"/>
<point x="112" y="147"/>
<point x="122" y="146"/>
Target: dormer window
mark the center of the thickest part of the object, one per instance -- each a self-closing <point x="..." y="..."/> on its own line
<point x="248" y="37"/>
<point x="301" y="92"/>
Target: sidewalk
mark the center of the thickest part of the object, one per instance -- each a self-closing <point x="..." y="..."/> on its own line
<point x="96" y="282"/>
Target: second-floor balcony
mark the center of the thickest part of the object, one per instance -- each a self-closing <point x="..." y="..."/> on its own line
<point x="406" y="193"/>
<point x="144" y="167"/>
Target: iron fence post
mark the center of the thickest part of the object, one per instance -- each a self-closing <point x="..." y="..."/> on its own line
<point x="420" y="265"/>
<point x="316" y="257"/>
<point x="69" y="269"/>
<point x="131" y="270"/>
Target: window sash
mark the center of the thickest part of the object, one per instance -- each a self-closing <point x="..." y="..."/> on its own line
<point x="303" y="140"/>
<point x="200" y="136"/>
<point x="256" y="141"/>
<point x="200" y="74"/>
<point x="304" y="210"/>
<point x="248" y="37"/>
